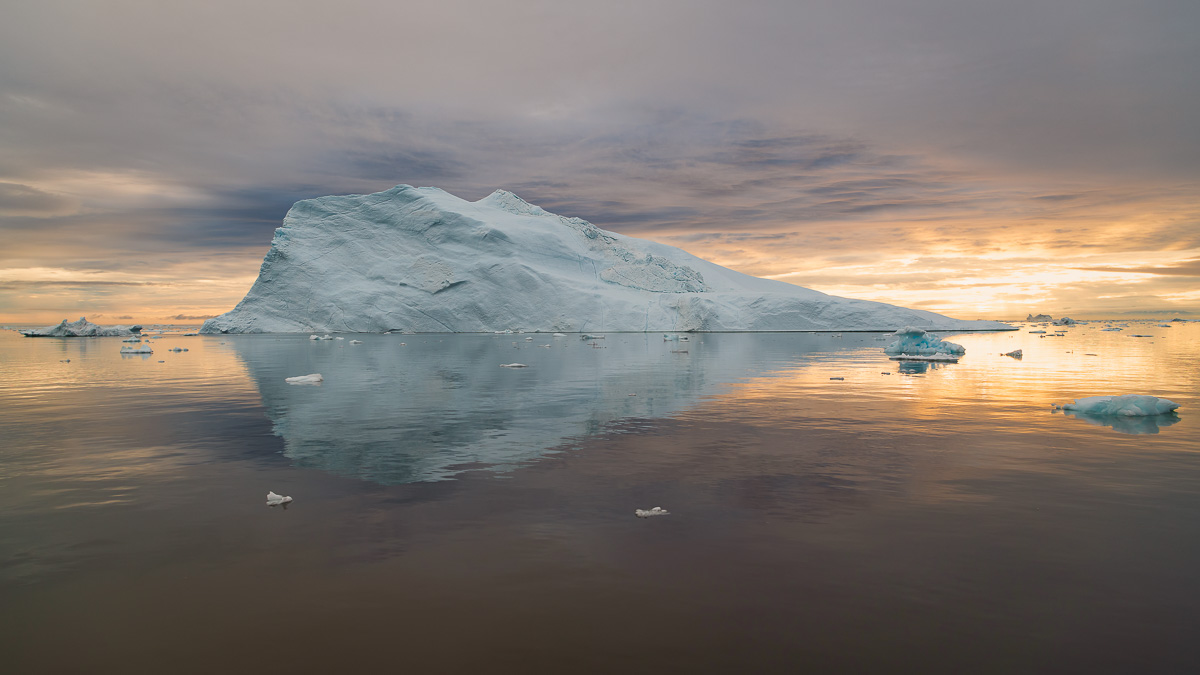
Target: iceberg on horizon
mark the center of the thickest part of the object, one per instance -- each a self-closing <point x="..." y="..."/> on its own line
<point x="423" y="260"/>
<point x="81" y="328"/>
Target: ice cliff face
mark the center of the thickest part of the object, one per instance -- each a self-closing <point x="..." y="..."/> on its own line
<point x="423" y="260"/>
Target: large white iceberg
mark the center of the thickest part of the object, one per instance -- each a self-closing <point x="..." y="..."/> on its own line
<point x="917" y="344"/>
<point x="81" y="328"/>
<point x="1127" y="405"/>
<point x="420" y="259"/>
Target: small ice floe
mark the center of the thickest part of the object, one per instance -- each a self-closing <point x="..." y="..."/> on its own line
<point x="314" y="337"/>
<point x="1126" y="405"/>
<point x="1016" y="354"/>
<point x="513" y="365"/>
<point x="356" y="342"/>
<point x="132" y="339"/>
<point x="137" y="350"/>
<point x="64" y="360"/>
<point x="633" y="394"/>
<point x="885" y="373"/>
<point x="529" y="339"/>
<point x="315" y="378"/>
<point x="1134" y="335"/>
<point x="559" y="335"/>
<point x="1164" y="325"/>
<point x="162" y="361"/>
<point x="670" y="338"/>
<point x="916" y="344"/>
<point x="837" y="378"/>
<point x="190" y="334"/>
<point x="656" y="511"/>
<point x="1035" y="332"/>
<point x="339" y="338"/>
<point x="176" y="349"/>
<point x="275" y="500"/>
<point x="588" y="336"/>
<point x="546" y="346"/>
<point x="679" y="351"/>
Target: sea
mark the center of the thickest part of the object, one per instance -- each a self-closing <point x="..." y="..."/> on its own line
<point x="829" y="510"/>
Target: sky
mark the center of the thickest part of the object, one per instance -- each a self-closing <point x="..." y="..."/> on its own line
<point x="982" y="159"/>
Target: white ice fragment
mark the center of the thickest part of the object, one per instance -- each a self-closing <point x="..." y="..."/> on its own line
<point x="137" y="350"/>
<point x="314" y="337"/>
<point x="560" y="335"/>
<point x="1126" y="405"/>
<point x="656" y="511"/>
<point x="513" y="365"/>
<point x="275" y="500"/>
<point x="315" y="378"/>
<point x="529" y="339"/>
<point x="339" y="338"/>
<point x="356" y="342"/>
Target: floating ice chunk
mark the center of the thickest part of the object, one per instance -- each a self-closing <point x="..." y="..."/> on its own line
<point x="513" y="365"/>
<point x="587" y="336"/>
<point x="65" y="361"/>
<point x="559" y="335"/>
<point x="656" y="511"/>
<point x="679" y="351"/>
<point x="1036" y="332"/>
<point x="916" y="342"/>
<point x="314" y="337"/>
<point x="529" y="339"/>
<point x="670" y="338"/>
<point x="137" y="350"/>
<point x="356" y="342"/>
<point x="932" y="358"/>
<point x="1016" y="354"/>
<point x="339" y="338"/>
<point x="315" y="378"/>
<point x="132" y="339"/>
<point x="1126" y="405"/>
<point x="837" y="378"/>
<point x="275" y="500"/>
<point x="1065" y="321"/>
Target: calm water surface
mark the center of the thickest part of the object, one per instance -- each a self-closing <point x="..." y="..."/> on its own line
<point x="451" y="515"/>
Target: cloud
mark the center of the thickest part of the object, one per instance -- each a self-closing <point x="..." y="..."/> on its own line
<point x="23" y="200"/>
<point x="1187" y="268"/>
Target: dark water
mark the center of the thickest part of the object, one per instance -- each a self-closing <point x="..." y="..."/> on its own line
<point x="454" y="516"/>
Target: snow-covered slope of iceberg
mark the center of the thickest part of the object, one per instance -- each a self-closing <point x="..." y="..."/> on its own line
<point x="423" y="260"/>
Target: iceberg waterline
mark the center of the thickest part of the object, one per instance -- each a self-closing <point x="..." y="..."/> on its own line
<point x="423" y="260"/>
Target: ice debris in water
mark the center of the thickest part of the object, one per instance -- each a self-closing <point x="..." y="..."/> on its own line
<point x="918" y="342"/>
<point x="1126" y="405"/>
<point x="137" y="350"/>
<point x="275" y="500"/>
<point x="315" y="378"/>
<point x="656" y="511"/>
<point x="356" y="342"/>
<point x="559" y="335"/>
<point x="1016" y="354"/>
<point x="513" y="365"/>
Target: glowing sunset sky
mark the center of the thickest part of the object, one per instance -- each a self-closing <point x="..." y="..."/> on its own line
<point x="980" y="159"/>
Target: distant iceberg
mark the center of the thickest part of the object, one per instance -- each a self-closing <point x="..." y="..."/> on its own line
<point x="143" y="349"/>
<point x="81" y="328"/>
<point x="420" y="259"/>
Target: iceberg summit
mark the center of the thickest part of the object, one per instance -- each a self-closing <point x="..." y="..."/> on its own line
<point x="423" y="260"/>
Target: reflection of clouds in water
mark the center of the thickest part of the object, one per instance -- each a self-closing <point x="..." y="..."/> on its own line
<point x="1147" y="424"/>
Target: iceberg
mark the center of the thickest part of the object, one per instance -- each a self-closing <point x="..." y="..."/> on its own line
<point x="142" y="349"/>
<point x="1065" y="321"/>
<point x="1127" y="405"/>
<point x="315" y="378"/>
<point x="423" y="260"/>
<point x="917" y="344"/>
<point x="81" y="328"/>
<point x="275" y="500"/>
<point x="1039" y="317"/>
<point x="656" y="511"/>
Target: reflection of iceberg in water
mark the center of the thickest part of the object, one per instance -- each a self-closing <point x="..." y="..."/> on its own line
<point x="440" y="404"/>
<point x="1147" y="424"/>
